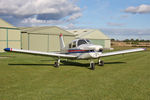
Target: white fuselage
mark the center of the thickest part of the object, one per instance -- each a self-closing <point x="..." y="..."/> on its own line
<point x="83" y="51"/>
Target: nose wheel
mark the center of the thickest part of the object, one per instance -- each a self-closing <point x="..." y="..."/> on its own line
<point x="92" y="65"/>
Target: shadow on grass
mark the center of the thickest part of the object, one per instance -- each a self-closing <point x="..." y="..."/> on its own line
<point x="63" y="63"/>
<point x="47" y="60"/>
<point x="114" y="62"/>
<point x="66" y="63"/>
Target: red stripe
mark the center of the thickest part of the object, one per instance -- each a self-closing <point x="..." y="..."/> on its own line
<point x="75" y="50"/>
<point x="10" y="49"/>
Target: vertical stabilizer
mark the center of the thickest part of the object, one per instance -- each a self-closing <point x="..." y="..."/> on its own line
<point x="62" y="45"/>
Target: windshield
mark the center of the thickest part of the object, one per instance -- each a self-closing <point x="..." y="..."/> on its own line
<point x="80" y="42"/>
<point x="88" y="41"/>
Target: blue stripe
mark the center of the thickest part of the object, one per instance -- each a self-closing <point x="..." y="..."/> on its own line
<point x="81" y="52"/>
<point x="7" y="49"/>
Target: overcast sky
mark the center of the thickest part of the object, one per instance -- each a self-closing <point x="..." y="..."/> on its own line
<point x="117" y="18"/>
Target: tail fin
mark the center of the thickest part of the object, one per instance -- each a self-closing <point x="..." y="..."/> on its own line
<point x="62" y="44"/>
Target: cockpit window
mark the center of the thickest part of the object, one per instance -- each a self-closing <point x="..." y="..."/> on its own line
<point x="88" y="41"/>
<point x="70" y="45"/>
<point x="81" y="42"/>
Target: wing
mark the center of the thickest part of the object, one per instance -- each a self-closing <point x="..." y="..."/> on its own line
<point x="54" y="54"/>
<point x="122" y="52"/>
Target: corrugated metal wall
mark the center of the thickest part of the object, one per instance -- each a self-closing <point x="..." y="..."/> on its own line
<point x="24" y="37"/>
<point x="98" y="42"/>
<point x="107" y="44"/>
<point x="9" y="38"/>
<point x="43" y="42"/>
<point x="54" y="43"/>
<point x="68" y="39"/>
<point x="38" y="42"/>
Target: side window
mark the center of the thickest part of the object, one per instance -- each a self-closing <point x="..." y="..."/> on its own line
<point x="74" y="44"/>
<point x="70" y="45"/>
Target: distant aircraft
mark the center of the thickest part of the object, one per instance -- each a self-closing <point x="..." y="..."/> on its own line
<point x="77" y="49"/>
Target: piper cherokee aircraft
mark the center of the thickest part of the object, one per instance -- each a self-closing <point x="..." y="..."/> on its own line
<point x="77" y="49"/>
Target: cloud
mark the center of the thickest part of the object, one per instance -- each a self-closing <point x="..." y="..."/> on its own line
<point x="40" y="10"/>
<point x="122" y="34"/>
<point x="69" y="26"/>
<point x="126" y="31"/>
<point x="74" y="16"/>
<point x="139" y="9"/>
<point x="115" y="24"/>
<point x="38" y="22"/>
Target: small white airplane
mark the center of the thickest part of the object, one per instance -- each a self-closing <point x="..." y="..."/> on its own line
<point x="77" y="49"/>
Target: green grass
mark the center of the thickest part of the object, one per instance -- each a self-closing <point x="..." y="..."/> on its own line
<point x="28" y="77"/>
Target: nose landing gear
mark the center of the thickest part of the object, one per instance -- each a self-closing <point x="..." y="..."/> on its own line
<point x="92" y="65"/>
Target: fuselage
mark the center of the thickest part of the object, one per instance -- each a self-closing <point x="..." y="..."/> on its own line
<point x="83" y="49"/>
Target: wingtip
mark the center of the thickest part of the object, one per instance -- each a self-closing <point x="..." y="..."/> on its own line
<point x="7" y="49"/>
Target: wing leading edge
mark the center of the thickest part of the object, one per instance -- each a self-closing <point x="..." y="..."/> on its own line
<point x="54" y="54"/>
<point x="122" y="52"/>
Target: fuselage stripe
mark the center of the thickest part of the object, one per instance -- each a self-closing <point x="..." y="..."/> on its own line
<point x="76" y="50"/>
<point x="79" y="51"/>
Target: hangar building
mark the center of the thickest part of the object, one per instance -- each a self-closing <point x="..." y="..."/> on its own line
<point x="9" y="36"/>
<point x="44" y="38"/>
<point x="95" y="36"/>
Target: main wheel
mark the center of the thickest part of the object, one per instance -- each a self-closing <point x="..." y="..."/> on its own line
<point x="92" y="66"/>
<point x="56" y="64"/>
<point x="101" y="63"/>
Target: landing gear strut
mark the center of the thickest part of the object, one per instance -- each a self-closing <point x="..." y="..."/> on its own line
<point x="92" y="65"/>
<point x="57" y="63"/>
<point x="100" y="62"/>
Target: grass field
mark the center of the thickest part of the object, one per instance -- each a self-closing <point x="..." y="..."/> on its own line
<point x="28" y="77"/>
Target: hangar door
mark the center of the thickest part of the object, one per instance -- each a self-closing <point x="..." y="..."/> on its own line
<point x="98" y="42"/>
<point x="38" y="42"/>
<point x="42" y="42"/>
<point x="54" y="44"/>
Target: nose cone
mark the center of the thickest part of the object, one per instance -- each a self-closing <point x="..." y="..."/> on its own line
<point x="91" y="47"/>
<point x="96" y="47"/>
<point x="7" y="49"/>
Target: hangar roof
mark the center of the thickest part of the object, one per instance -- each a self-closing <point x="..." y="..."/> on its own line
<point x="89" y="34"/>
<point x="5" y="24"/>
<point x="45" y="30"/>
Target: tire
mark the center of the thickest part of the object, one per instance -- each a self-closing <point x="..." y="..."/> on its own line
<point x="92" y="66"/>
<point x="56" y="64"/>
<point x="101" y="63"/>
